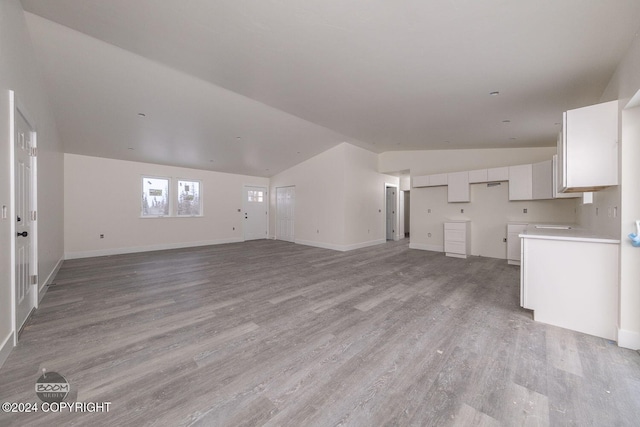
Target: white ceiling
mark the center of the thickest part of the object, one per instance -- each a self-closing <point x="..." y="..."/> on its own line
<point x="255" y="87"/>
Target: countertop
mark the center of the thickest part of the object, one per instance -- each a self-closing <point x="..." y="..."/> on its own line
<point x="569" y="232"/>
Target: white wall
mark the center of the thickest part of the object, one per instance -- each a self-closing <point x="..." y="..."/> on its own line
<point x="338" y="197"/>
<point x="20" y="72"/>
<point x="624" y="84"/>
<point x="103" y="196"/>
<point x="489" y="210"/>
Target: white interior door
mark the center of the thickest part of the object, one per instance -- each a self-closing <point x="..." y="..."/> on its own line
<point x="285" y="206"/>
<point x="255" y="213"/>
<point x="24" y="291"/>
<point x="391" y="212"/>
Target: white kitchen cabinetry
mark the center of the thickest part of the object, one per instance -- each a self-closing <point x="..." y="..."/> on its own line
<point x="556" y="194"/>
<point x="542" y="181"/>
<point x="458" y="187"/>
<point x="478" y="176"/>
<point x="571" y="282"/>
<point x="514" y="229"/>
<point x="521" y="182"/>
<point x="457" y="238"/>
<point x="430" y="180"/>
<point x="498" y="174"/>
<point x="588" y="149"/>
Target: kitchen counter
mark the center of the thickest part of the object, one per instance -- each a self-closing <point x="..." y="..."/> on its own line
<point x="568" y="232"/>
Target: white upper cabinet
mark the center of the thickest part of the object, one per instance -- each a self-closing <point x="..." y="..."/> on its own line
<point x="521" y="182"/>
<point x="556" y="172"/>
<point x="588" y="149"/>
<point x="458" y="187"/>
<point x="498" y="174"/>
<point x="542" y="180"/>
<point x="478" y="176"/>
<point x="430" y="180"/>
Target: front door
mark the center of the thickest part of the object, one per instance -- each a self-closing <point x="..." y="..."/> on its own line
<point x="24" y="291"/>
<point x="391" y="213"/>
<point x="255" y="212"/>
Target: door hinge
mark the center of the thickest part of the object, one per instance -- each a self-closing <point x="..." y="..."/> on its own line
<point x="33" y="151"/>
<point x="34" y="279"/>
<point x="33" y="214"/>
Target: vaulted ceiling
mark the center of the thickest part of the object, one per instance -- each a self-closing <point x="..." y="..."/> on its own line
<point x="255" y="87"/>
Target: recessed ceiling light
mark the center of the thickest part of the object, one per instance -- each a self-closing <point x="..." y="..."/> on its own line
<point x="211" y="160"/>
<point x="513" y="138"/>
<point x="130" y="148"/>
<point x="494" y="93"/>
<point x="506" y="121"/>
<point x="558" y="123"/>
<point x="142" y="115"/>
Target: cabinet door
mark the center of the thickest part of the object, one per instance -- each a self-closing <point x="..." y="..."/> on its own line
<point x="498" y="174"/>
<point x="478" y="176"/>
<point x="521" y="182"/>
<point x="542" y="180"/>
<point x="556" y="178"/>
<point x="421" y="181"/>
<point x="458" y="187"/>
<point x="437" y="179"/>
<point x="589" y="156"/>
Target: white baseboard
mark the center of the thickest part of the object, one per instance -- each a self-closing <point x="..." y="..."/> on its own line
<point x="341" y="248"/>
<point x="5" y="348"/>
<point x="629" y="339"/>
<point x="135" y="249"/>
<point x="45" y="285"/>
<point x="425" y="247"/>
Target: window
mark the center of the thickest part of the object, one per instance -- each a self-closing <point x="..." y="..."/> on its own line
<point x="255" y="196"/>
<point x="189" y="202"/>
<point x="155" y="196"/>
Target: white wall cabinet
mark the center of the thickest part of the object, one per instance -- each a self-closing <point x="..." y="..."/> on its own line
<point x="514" y="229"/>
<point x="458" y="187"/>
<point x="542" y="180"/>
<point x="498" y="174"/>
<point x="478" y="176"/>
<point x="521" y="182"/>
<point x="434" y="180"/>
<point x="457" y="238"/>
<point x="556" y="194"/>
<point x="588" y="149"/>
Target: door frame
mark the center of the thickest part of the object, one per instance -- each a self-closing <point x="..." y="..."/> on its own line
<point x="294" y="213"/>
<point x="15" y="108"/>
<point x="244" y="205"/>
<point x="396" y="224"/>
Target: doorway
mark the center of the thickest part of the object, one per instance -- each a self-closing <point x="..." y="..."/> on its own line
<point x="285" y="213"/>
<point x="254" y="204"/>
<point x="407" y="213"/>
<point x="391" y="193"/>
<point x="23" y="211"/>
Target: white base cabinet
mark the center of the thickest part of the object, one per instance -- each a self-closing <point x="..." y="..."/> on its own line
<point x="572" y="284"/>
<point x="457" y="238"/>
<point x="514" y="229"/>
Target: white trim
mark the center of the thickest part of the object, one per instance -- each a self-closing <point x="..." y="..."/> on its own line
<point x="5" y="348"/>
<point x="341" y="248"/>
<point x="629" y="339"/>
<point x="12" y="210"/>
<point x="44" y="287"/>
<point x="136" y="249"/>
<point x="396" y="234"/>
<point x="267" y="191"/>
<point x="425" y="247"/>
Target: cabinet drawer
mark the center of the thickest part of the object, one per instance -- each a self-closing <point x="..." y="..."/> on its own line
<point x="455" y="236"/>
<point x="455" y="247"/>
<point x="455" y="226"/>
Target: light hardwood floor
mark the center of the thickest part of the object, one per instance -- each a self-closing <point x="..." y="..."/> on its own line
<point x="272" y="333"/>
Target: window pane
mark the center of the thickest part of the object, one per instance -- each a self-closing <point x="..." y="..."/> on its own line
<point x="255" y="196"/>
<point x="155" y="196"/>
<point x="189" y="201"/>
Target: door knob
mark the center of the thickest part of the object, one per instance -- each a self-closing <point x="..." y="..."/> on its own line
<point x="23" y="234"/>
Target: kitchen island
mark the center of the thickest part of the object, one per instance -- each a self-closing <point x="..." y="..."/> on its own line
<point x="569" y="278"/>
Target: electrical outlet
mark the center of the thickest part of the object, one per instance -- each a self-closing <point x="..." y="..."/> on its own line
<point x="428" y="234"/>
<point x="461" y="210"/>
<point x="504" y="240"/>
<point x="524" y="210"/>
<point x="428" y="210"/>
<point x="102" y="236"/>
